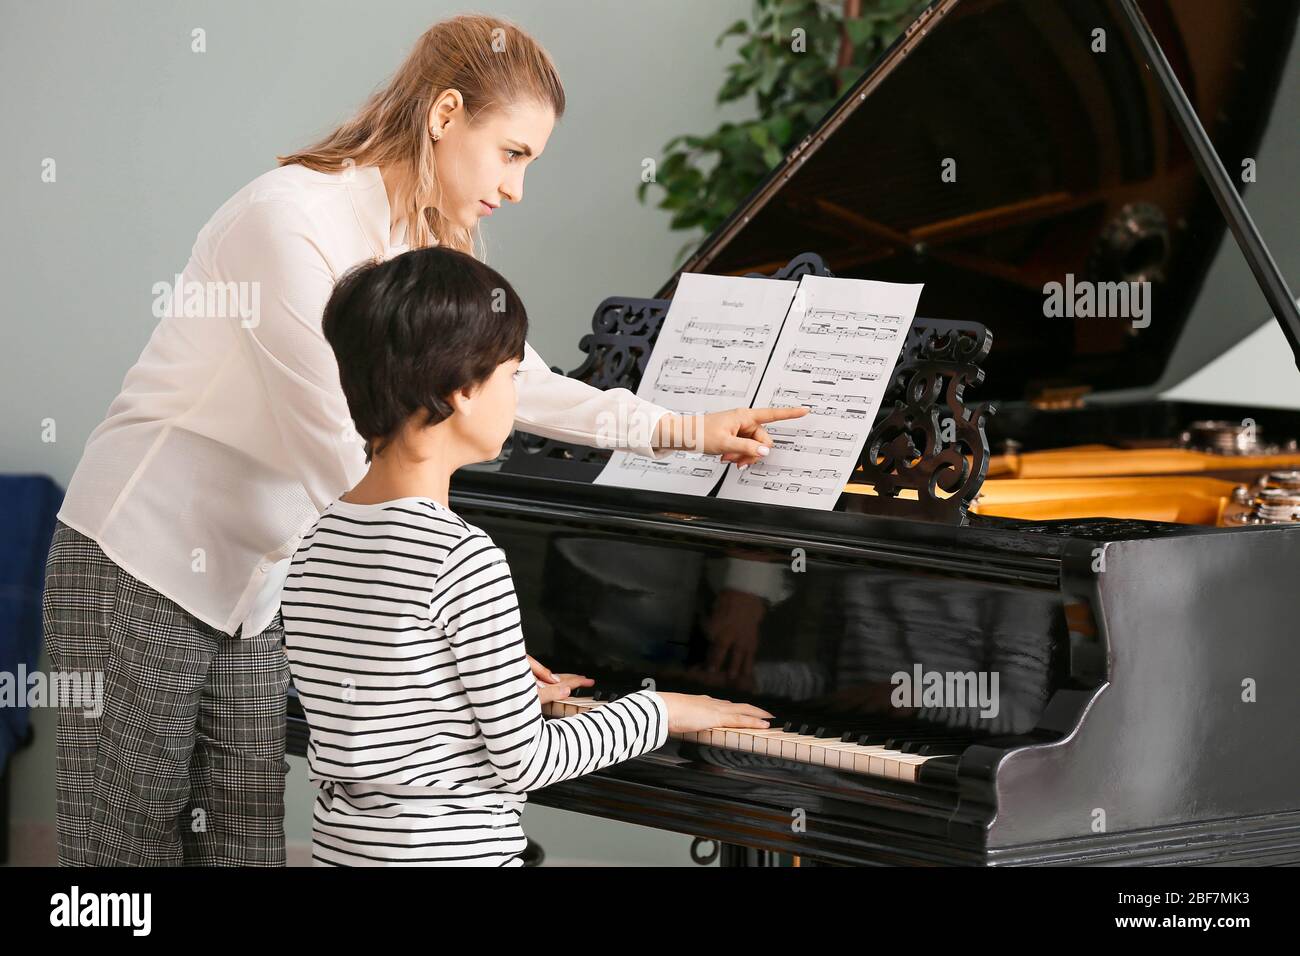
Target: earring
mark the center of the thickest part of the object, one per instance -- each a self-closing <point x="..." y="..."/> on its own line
<point x="435" y="134"/>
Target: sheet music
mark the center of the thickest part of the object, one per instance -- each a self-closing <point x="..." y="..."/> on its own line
<point x="834" y="356"/>
<point x="709" y="357"/>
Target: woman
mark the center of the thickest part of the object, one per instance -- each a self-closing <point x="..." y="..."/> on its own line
<point x="231" y="434"/>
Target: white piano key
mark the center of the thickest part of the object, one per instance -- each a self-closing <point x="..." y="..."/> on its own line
<point x="874" y="760"/>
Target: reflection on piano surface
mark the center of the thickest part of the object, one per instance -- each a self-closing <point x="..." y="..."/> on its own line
<point x="1096" y="664"/>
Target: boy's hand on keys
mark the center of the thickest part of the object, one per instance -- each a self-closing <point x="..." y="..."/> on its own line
<point x="540" y="670"/>
<point x="688" y="713"/>
<point x="552" y="686"/>
<point x="566" y="684"/>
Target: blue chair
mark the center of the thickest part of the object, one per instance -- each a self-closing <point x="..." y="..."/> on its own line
<point x="28" y="505"/>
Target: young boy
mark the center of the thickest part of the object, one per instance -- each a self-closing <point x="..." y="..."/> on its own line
<point x="400" y="619"/>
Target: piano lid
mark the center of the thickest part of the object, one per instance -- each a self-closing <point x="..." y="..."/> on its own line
<point x="1066" y="164"/>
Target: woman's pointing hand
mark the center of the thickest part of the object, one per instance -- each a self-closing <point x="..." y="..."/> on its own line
<point x="737" y="435"/>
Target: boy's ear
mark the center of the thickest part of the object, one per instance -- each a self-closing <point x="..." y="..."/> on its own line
<point x="461" y="399"/>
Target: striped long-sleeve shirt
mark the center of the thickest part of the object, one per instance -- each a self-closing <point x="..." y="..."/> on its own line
<point x="403" y="636"/>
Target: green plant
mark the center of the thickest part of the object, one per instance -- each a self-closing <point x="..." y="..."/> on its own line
<point x="796" y="57"/>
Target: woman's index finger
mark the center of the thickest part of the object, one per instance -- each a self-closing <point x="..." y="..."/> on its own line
<point x="778" y="414"/>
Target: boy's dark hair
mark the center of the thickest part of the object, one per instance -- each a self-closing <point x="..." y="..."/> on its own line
<point x="410" y="331"/>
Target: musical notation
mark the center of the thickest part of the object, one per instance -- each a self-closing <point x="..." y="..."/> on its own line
<point x="806" y="482"/>
<point x="682" y="375"/>
<point x="728" y="335"/>
<point x="844" y="405"/>
<point x="835" y="368"/>
<point x="798" y="431"/>
<point x="796" y="438"/>
<point x="833" y="356"/>
<point x="827" y="345"/>
<point x="830" y="451"/>
<point x="841" y="324"/>
<point x="709" y="356"/>
<point x="679" y="464"/>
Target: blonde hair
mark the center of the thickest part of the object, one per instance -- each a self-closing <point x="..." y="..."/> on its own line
<point x="493" y="64"/>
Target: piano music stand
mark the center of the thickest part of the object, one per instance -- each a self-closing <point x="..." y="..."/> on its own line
<point x="925" y="439"/>
<point x="623" y="334"/>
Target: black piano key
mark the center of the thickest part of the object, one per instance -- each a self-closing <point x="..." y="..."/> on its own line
<point x="901" y="739"/>
<point x="851" y="733"/>
<point x="941" y="750"/>
<point x="878" y="732"/>
<point x="893" y="737"/>
<point x="848" y="728"/>
<point x="609" y="690"/>
<point x="916" y="746"/>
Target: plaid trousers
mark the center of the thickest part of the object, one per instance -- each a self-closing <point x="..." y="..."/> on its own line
<point x="185" y="762"/>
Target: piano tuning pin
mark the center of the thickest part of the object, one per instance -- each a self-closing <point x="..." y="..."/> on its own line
<point x="1288" y="480"/>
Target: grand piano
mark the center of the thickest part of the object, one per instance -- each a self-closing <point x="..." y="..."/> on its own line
<point x="1061" y="630"/>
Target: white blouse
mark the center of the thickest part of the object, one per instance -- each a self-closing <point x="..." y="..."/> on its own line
<point x="231" y="433"/>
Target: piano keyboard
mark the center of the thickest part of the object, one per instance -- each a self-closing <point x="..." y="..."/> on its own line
<point x="795" y="743"/>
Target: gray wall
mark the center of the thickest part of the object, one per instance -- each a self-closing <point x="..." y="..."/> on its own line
<point x="150" y="138"/>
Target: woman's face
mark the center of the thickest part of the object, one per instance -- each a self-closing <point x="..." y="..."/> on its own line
<point x="481" y="165"/>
